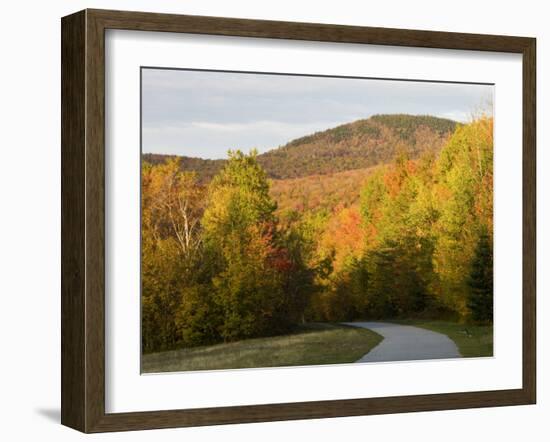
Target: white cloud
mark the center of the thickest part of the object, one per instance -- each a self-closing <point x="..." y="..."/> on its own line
<point x="205" y="113"/>
<point x="212" y="140"/>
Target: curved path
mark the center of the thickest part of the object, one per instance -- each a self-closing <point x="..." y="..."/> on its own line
<point x="407" y="343"/>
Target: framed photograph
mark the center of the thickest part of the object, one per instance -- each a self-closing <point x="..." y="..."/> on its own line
<point x="267" y="220"/>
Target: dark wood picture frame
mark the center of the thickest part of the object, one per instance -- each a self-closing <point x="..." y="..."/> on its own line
<point x="83" y="216"/>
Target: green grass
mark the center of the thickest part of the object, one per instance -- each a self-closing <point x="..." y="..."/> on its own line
<point x="471" y="340"/>
<point x="311" y="344"/>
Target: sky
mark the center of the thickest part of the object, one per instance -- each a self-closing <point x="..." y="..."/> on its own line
<point x="203" y="114"/>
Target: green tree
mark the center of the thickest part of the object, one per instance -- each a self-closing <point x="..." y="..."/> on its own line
<point x="398" y="214"/>
<point x="240" y="233"/>
<point x="464" y="192"/>
<point x="349" y="292"/>
<point x="238" y="198"/>
<point x="381" y="266"/>
<point x="480" y="299"/>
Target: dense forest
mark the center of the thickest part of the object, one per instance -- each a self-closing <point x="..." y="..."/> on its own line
<point x="389" y="217"/>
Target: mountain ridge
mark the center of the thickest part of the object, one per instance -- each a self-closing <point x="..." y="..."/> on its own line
<point x="359" y="144"/>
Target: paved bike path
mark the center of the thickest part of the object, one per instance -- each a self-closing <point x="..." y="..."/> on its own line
<point x="407" y="343"/>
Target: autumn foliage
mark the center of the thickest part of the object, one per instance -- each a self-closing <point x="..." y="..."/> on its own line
<point x="240" y="255"/>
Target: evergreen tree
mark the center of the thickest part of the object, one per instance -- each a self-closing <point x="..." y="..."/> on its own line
<point x="480" y="299"/>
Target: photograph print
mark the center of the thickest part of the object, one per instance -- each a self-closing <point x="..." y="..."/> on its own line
<point x="299" y="220"/>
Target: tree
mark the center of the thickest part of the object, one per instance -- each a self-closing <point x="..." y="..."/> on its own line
<point x="348" y="295"/>
<point x="238" y="197"/>
<point x="344" y="234"/>
<point x="240" y="233"/>
<point x="464" y="193"/>
<point x="480" y="299"/>
<point x="297" y="263"/>
<point x="172" y="206"/>
<point x="381" y="266"/>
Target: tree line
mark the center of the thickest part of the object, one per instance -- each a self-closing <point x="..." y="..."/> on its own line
<point x="220" y="263"/>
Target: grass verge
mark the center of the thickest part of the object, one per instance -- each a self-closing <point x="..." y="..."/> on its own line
<point x="471" y="340"/>
<point x="311" y="344"/>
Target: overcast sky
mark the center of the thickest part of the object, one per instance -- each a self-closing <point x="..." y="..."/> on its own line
<point x="203" y="114"/>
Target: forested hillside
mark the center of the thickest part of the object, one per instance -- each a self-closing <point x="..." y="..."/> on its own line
<point x="357" y="145"/>
<point x="319" y="192"/>
<point x="204" y="169"/>
<point x="229" y="252"/>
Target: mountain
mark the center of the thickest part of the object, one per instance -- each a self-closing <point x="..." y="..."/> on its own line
<point x="357" y="145"/>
